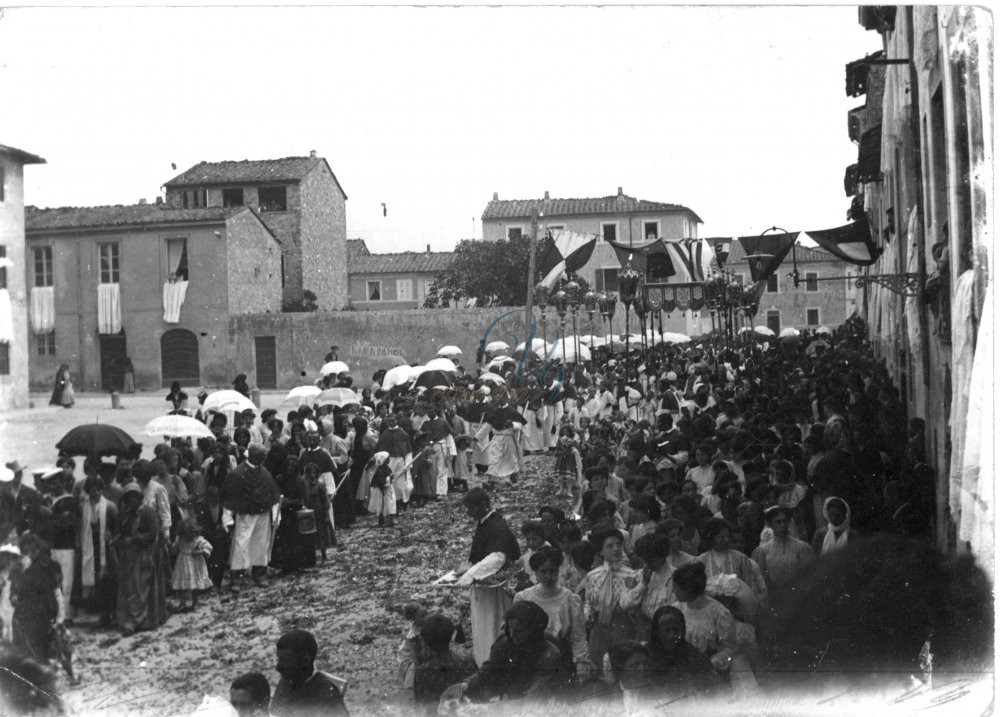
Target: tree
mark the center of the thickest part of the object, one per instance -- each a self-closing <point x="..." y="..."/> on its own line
<point x="494" y="273"/>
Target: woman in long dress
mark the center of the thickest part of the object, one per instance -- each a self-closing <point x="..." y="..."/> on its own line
<point x="142" y="597"/>
<point x="62" y="392"/>
<point x="95" y="584"/>
<point x="604" y="587"/>
<point x="292" y="550"/>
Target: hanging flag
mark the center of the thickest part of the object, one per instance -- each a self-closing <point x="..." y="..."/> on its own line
<point x="564" y="253"/>
<point x="721" y="246"/>
<point x="853" y="243"/>
<point x="649" y="257"/>
<point x="773" y="249"/>
<point x="686" y="256"/>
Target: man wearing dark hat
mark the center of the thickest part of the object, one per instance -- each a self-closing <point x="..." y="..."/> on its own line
<point x="248" y="496"/>
<point x="19" y="503"/>
<point x="304" y="691"/>
<point x="493" y="547"/>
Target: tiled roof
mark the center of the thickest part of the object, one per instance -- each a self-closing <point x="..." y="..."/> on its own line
<point x="403" y="262"/>
<point x="614" y="204"/>
<point x="357" y="247"/>
<point x="246" y="171"/>
<point x="36" y="219"/>
<point x="803" y="254"/>
<point x="22" y="156"/>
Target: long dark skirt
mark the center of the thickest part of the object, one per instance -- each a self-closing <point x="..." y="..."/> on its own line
<point x="293" y="550"/>
<point x="100" y="598"/>
<point x="32" y="633"/>
<point x="142" y="596"/>
<point x="343" y="503"/>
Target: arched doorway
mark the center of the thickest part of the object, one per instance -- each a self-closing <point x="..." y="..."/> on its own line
<point x="179" y="358"/>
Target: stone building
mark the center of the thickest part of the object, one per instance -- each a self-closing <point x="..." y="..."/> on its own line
<point x="392" y="281"/>
<point x="303" y="204"/>
<point x="14" y="357"/>
<point x="924" y="180"/>
<point x="149" y="282"/>
<point x="817" y="301"/>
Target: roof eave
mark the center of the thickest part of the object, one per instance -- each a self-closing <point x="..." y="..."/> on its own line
<point x="20" y="154"/>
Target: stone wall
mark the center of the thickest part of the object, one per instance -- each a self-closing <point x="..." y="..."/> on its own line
<point x="254" y="262"/>
<point x="14" y="385"/>
<point x="369" y="339"/>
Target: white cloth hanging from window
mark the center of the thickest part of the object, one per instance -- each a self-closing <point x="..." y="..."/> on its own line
<point x="109" y="308"/>
<point x="962" y="353"/>
<point x="173" y="299"/>
<point x="6" y="317"/>
<point x="43" y="309"/>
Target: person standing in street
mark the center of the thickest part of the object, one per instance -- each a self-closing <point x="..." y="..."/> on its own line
<point x="248" y="496"/>
<point x="62" y="392"/>
<point x="493" y="548"/>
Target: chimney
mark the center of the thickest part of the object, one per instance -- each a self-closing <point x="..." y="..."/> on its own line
<point x="159" y="201"/>
<point x="546" y="193"/>
<point x="620" y="192"/>
<point x="312" y="153"/>
<point x="142" y="201"/>
<point x="495" y="197"/>
<point x="428" y="248"/>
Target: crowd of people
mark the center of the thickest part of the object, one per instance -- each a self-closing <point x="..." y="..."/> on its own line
<point x="713" y="500"/>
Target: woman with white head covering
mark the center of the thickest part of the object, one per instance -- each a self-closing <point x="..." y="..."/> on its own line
<point x="837" y="532"/>
<point x="382" y="501"/>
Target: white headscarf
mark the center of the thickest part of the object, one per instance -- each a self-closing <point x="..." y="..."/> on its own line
<point x="836" y="536"/>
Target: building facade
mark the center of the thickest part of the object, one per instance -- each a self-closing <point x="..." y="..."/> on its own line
<point x="14" y="355"/>
<point x="924" y="179"/>
<point x="147" y="283"/>
<point x="380" y="282"/>
<point x="303" y="204"/>
<point x="826" y="294"/>
<point x="618" y="218"/>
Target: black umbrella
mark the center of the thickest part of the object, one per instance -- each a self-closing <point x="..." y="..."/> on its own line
<point x="430" y="379"/>
<point x="97" y="439"/>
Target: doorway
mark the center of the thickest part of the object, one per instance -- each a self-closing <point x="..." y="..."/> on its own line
<point x="266" y="361"/>
<point x="113" y="353"/>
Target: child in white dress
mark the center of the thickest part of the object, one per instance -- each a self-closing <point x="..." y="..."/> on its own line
<point x="190" y="575"/>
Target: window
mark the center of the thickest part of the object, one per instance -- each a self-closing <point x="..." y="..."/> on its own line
<point x="515" y="233"/>
<point x="45" y="344"/>
<point x="232" y="197"/>
<point x="374" y="291"/>
<point x="811" y="281"/>
<point x="184" y="200"/>
<point x="4" y="358"/>
<point x="199" y="198"/>
<point x="272" y="199"/>
<point x="609" y="230"/>
<point x="282" y="271"/>
<point x="110" y="264"/>
<point x="557" y="227"/>
<point x="404" y="289"/>
<point x="3" y="269"/>
<point x="812" y="317"/>
<point x="606" y="280"/>
<point x="43" y="265"/>
<point x="177" y="259"/>
<point x="774" y="321"/>
<point x="772" y="284"/>
<point x="651" y="230"/>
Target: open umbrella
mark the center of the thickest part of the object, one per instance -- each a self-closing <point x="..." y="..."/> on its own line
<point x="763" y="331"/>
<point x="334" y="367"/>
<point x="434" y="378"/>
<point x="497" y="347"/>
<point x="337" y="397"/>
<point x="788" y="332"/>
<point x="96" y="439"/>
<point x="449" y="351"/>
<point x="177" y="425"/>
<point x="398" y="376"/>
<point x="490" y="377"/>
<point x="824" y="330"/>
<point x="228" y="400"/>
<point x="440" y="364"/>
<point x="571" y="353"/>
<point x="301" y="396"/>
<point x="815" y="345"/>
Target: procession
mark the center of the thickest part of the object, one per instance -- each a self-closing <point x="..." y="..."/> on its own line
<point x="602" y="455"/>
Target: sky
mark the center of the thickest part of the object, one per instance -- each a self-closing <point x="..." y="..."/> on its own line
<point x="736" y="112"/>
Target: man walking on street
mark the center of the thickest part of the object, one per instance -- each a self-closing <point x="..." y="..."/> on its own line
<point x="248" y="496"/>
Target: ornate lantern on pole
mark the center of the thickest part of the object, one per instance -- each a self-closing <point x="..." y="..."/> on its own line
<point x="655" y="304"/>
<point x="572" y="289"/>
<point x="606" y="305"/>
<point x="590" y="304"/>
<point x="542" y="299"/>
<point x="628" y="283"/>
<point x="561" y="301"/>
